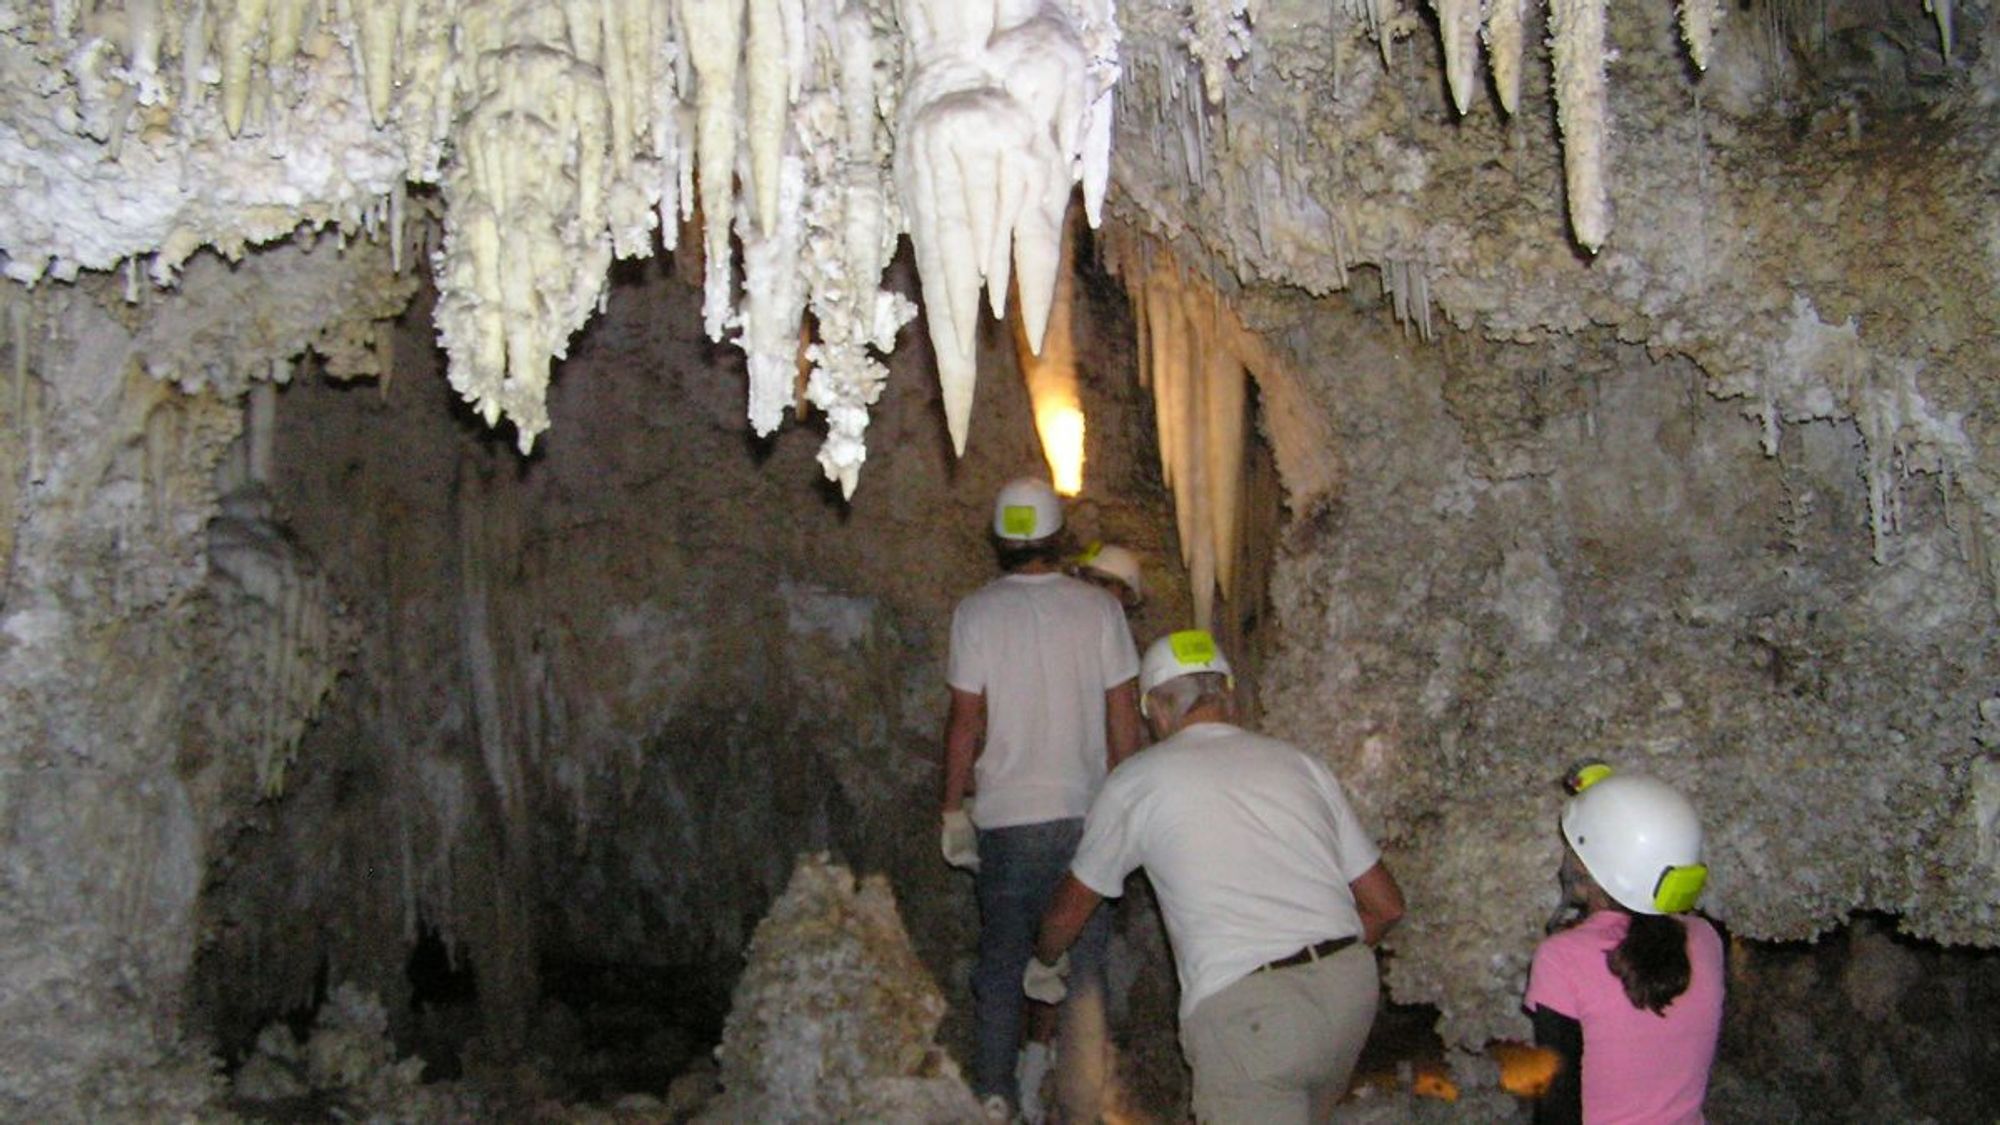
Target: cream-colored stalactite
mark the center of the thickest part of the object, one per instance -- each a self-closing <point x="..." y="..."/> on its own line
<point x="1503" y="50"/>
<point x="242" y="34"/>
<point x="377" y="27"/>
<point x="507" y="306"/>
<point x="1197" y="356"/>
<point x="1191" y="483"/>
<point x="1222" y="437"/>
<point x="713" y="30"/>
<point x="286" y="25"/>
<point x="1220" y="35"/>
<point x="991" y="130"/>
<point x="1940" y="11"/>
<point x="773" y="298"/>
<point x="1576" y="42"/>
<point x="852" y="232"/>
<point x="773" y="58"/>
<point x="1458" y="28"/>
<point x="1698" y="20"/>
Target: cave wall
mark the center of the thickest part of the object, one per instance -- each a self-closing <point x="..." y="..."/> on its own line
<point x="147" y="696"/>
<point x="604" y="695"/>
<point x="1542" y="554"/>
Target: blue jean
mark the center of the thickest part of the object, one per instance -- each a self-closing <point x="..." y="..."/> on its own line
<point x="1019" y="870"/>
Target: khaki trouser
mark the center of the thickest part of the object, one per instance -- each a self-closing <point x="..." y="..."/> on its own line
<point x="1280" y="1046"/>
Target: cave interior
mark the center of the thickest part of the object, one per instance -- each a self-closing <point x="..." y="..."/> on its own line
<point x="486" y="483"/>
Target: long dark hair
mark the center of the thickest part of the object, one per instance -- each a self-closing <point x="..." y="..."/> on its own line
<point x="1652" y="961"/>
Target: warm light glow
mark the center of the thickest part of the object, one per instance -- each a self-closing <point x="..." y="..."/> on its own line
<point x="1060" y="424"/>
<point x="1525" y="1071"/>
<point x="1052" y="378"/>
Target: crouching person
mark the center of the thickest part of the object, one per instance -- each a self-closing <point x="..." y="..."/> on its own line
<point x="1628" y="997"/>
<point x="1272" y="894"/>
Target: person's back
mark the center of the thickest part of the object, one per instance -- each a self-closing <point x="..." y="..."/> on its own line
<point x="1042" y="675"/>
<point x="1271" y="890"/>
<point x="1043" y="649"/>
<point x="1638" y="1066"/>
<point x="1250" y="846"/>
<point x="1629" y="999"/>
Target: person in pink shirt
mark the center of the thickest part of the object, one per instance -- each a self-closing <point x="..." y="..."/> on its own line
<point x="1629" y="996"/>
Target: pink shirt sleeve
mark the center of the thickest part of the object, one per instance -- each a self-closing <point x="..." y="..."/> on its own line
<point x="1552" y="978"/>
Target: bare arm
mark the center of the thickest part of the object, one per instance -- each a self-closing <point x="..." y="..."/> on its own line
<point x="1379" y="901"/>
<point x="964" y="738"/>
<point x="1068" y="910"/>
<point x="1122" y="725"/>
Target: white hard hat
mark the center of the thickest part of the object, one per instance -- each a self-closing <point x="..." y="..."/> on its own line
<point x="1640" y="839"/>
<point x="1176" y="655"/>
<point x="1115" y="561"/>
<point x="1027" y="509"/>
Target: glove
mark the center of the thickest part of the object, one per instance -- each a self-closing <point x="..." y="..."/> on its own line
<point x="1047" y="983"/>
<point x="960" y="839"/>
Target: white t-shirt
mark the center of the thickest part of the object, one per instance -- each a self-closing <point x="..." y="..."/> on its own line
<point x="1250" y="845"/>
<point x="1043" y="649"/>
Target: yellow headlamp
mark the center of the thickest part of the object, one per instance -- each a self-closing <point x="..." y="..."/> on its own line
<point x="1679" y="887"/>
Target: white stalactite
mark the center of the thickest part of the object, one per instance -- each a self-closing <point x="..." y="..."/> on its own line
<point x="993" y="125"/>
<point x="1576" y="39"/>
<point x="1458" y="27"/>
<point x="770" y="58"/>
<point x="773" y="298"/>
<point x="714" y="31"/>
<point x="1503" y="33"/>
<point x="1698" y="20"/>
<point x="242" y="31"/>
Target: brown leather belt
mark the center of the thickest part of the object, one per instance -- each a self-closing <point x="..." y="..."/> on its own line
<point x="1310" y="953"/>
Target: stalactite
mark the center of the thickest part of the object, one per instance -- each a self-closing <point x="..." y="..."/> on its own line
<point x="1576" y="38"/>
<point x="1408" y="285"/>
<point x="1195" y="355"/>
<point x="714" y="31"/>
<point x="1940" y="11"/>
<point x="774" y="297"/>
<point x="1503" y="32"/>
<point x="851" y="233"/>
<point x="1458" y="28"/>
<point x="772" y="55"/>
<point x="1698" y="20"/>
<point x="509" y="301"/>
<point x="988" y="148"/>
<point x="1220" y="35"/>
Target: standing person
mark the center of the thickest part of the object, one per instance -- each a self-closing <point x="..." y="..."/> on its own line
<point x="1116" y="570"/>
<point x="1044" y="702"/>
<point x="1629" y="997"/>
<point x="1272" y="893"/>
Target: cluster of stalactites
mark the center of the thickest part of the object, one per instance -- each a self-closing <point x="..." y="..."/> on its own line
<point x="1576" y="44"/>
<point x="1196" y="356"/>
<point x="565" y="133"/>
<point x="1007" y="108"/>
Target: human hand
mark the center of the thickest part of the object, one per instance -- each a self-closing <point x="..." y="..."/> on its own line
<point x="1047" y="983"/>
<point x="960" y="840"/>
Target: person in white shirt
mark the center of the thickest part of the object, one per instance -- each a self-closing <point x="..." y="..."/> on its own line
<point x="1273" y="895"/>
<point x="1044" y="701"/>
